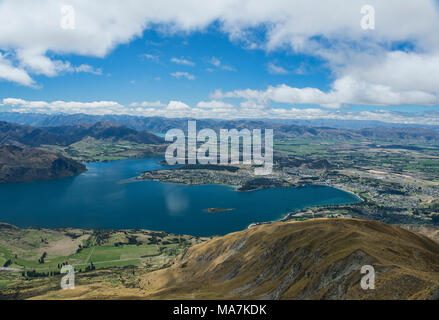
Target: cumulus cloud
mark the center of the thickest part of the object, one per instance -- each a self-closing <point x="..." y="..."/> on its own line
<point x="180" y="74"/>
<point x="359" y="60"/>
<point x="152" y="57"/>
<point x="71" y="107"/>
<point x="274" y="69"/>
<point x="147" y="104"/>
<point x="177" y="105"/>
<point x="10" y="73"/>
<point x="144" y="108"/>
<point x="215" y="105"/>
<point x="36" y="63"/>
<point x="87" y="69"/>
<point x="215" y="61"/>
<point x="219" y="64"/>
<point x="14" y="101"/>
<point x="183" y="62"/>
<point x="346" y="90"/>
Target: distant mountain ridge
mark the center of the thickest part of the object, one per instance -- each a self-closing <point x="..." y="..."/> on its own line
<point x="138" y="129"/>
<point x="150" y="123"/>
<point x="11" y="133"/>
<point x="31" y="164"/>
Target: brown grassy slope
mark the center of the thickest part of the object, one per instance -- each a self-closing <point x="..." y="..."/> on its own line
<point x="316" y="259"/>
<point x="431" y="232"/>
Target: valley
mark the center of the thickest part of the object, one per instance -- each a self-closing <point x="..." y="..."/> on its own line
<point x="37" y="254"/>
<point x="394" y="177"/>
<point x="239" y="152"/>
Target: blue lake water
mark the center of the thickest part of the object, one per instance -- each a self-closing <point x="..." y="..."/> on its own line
<point x="105" y="197"/>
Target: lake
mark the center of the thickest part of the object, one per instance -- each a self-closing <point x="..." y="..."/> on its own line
<point x="106" y="196"/>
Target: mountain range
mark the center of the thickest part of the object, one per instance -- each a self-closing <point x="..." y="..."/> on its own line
<point x="21" y="159"/>
<point x="17" y="134"/>
<point x="145" y="123"/>
<point x="80" y="123"/>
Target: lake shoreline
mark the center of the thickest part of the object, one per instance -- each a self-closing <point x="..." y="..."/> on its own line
<point x="284" y="218"/>
<point x="104" y="198"/>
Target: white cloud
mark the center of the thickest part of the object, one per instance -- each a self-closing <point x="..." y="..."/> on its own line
<point x="228" y="68"/>
<point x="215" y="61"/>
<point x="359" y="60"/>
<point x="88" y="69"/>
<point x="274" y="69"/>
<point x="10" y="73"/>
<point x="214" y="104"/>
<point x="346" y="90"/>
<point x="177" y="105"/>
<point x="183" y="62"/>
<point x="183" y="75"/>
<point x="37" y="63"/>
<point x="151" y="57"/>
<point x="71" y="107"/>
<point x="400" y="70"/>
<point x="147" y="104"/>
<point x="13" y="101"/>
<point x="218" y="63"/>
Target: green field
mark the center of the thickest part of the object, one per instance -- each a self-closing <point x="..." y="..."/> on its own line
<point x="93" y="150"/>
<point x="107" y="253"/>
<point x="91" y="249"/>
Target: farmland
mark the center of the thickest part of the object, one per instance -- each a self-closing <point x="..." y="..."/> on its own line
<point x="39" y="254"/>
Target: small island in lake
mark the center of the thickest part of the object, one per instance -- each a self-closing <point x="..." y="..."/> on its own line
<point x="211" y="210"/>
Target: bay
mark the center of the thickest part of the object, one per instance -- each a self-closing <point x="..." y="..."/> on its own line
<point x="107" y="197"/>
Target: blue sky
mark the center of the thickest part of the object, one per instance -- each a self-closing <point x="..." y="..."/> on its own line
<point x="226" y="59"/>
<point x="141" y="70"/>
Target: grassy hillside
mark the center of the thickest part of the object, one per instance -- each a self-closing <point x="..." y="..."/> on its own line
<point x="315" y="259"/>
<point x="91" y="252"/>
